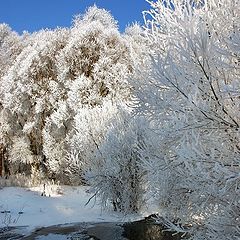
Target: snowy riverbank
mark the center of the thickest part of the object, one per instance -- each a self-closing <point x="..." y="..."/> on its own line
<point x="61" y="205"/>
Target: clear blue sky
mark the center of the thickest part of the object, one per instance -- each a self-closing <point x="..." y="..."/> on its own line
<point x="32" y="15"/>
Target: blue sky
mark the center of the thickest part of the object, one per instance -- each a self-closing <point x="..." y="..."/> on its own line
<point x="32" y="15"/>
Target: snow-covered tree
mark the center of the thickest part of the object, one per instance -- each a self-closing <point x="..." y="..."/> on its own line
<point x="11" y="44"/>
<point x="97" y="58"/>
<point x="190" y="93"/>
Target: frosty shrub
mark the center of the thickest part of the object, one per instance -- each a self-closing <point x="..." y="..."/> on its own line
<point x="190" y="94"/>
<point x="116" y="175"/>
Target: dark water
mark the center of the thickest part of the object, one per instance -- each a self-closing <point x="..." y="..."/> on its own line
<point x="147" y="230"/>
<point x="140" y="230"/>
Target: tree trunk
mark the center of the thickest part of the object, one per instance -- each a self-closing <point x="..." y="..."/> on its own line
<point x="2" y="163"/>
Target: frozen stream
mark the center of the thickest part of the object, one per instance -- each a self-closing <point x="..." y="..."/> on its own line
<point x="139" y="230"/>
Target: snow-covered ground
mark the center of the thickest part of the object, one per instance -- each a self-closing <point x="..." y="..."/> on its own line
<point x="26" y="207"/>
